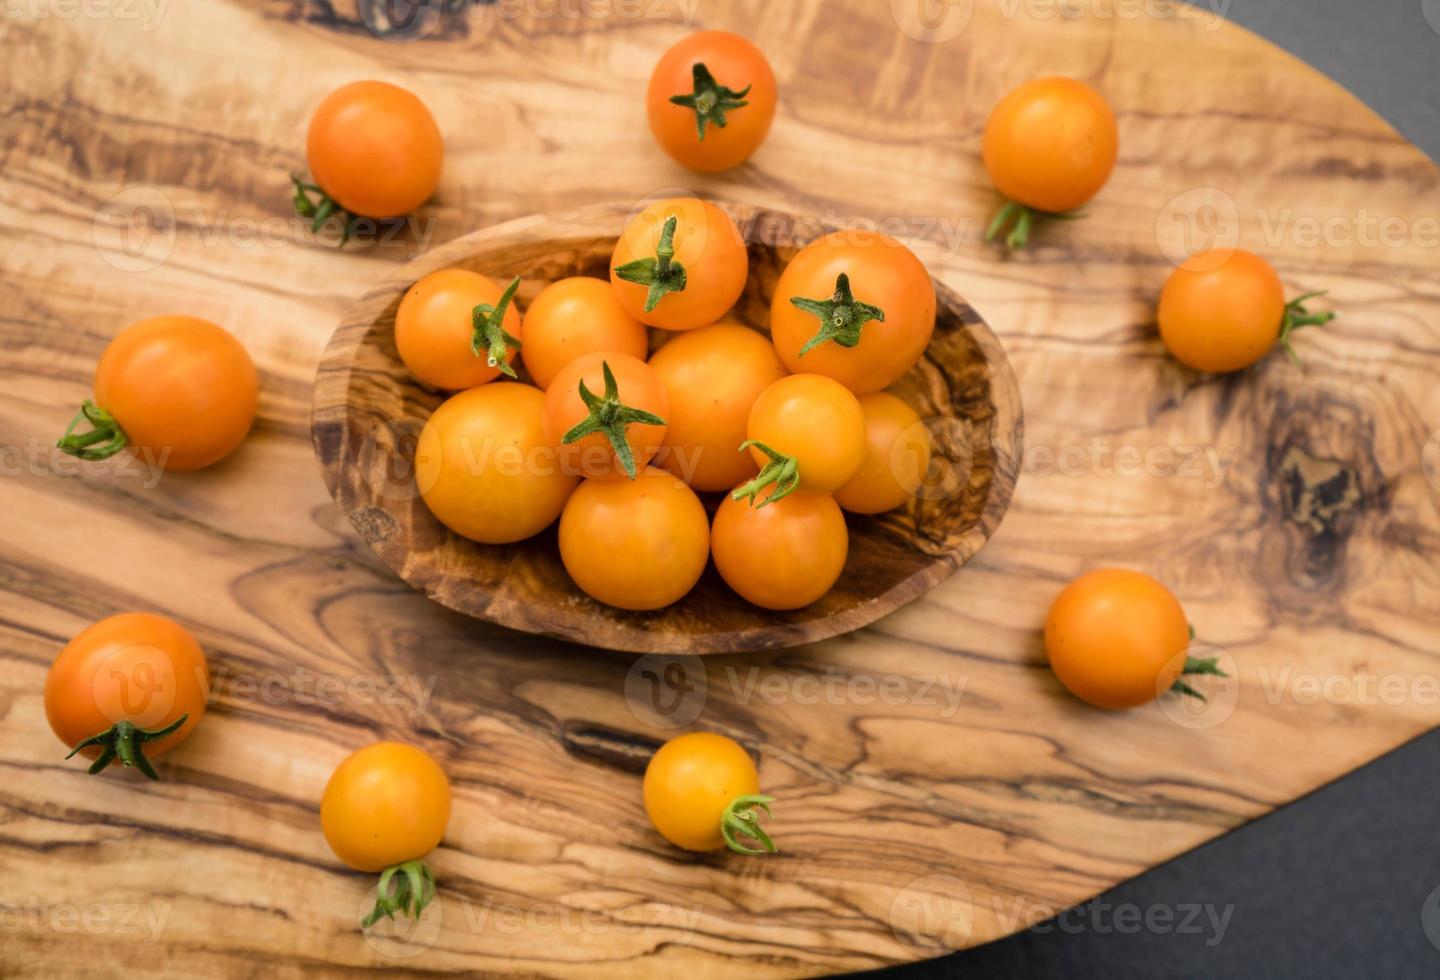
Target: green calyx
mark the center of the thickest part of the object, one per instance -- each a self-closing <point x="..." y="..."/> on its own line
<point x="662" y="275"/>
<point x="104" y="438"/>
<point x="490" y="337"/>
<point x="841" y="316"/>
<point x="1296" y="317"/>
<point x="611" y="416"/>
<point x="782" y="471"/>
<point x="1195" y="666"/>
<point x="740" y="819"/>
<point x="405" y="888"/>
<point x="322" y="209"/>
<point x="125" y="742"/>
<point x="1020" y="220"/>
<point x="710" y="99"/>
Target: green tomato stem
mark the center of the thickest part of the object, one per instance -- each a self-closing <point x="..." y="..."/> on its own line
<point x="405" y="888"/>
<point x="103" y="429"/>
<point x="1296" y="317"/>
<point x="661" y="275"/>
<point x="841" y="316"/>
<point x="321" y="209"/>
<point x="1021" y="219"/>
<point x="710" y="99"/>
<point x="488" y="331"/>
<point x="125" y="741"/>
<point x="782" y="471"/>
<point x="740" y="819"/>
<point x="610" y="416"/>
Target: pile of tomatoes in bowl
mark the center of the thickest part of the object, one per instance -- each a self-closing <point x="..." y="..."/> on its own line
<point x="659" y="430"/>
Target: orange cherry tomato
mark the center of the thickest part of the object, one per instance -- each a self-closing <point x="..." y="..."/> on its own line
<point x="783" y="555"/>
<point x="485" y="468"/>
<point x="897" y="456"/>
<point x="711" y="101"/>
<point x="679" y="264"/>
<point x="1223" y="310"/>
<point x="1117" y="638"/>
<point x="437" y="335"/>
<point x="1049" y="147"/>
<point x="374" y="149"/>
<point x="574" y="317"/>
<point x="713" y="376"/>
<point x="130" y="687"/>
<point x="615" y="426"/>
<point x="701" y="792"/>
<point x="384" y="809"/>
<point x="635" y="544"/>
<point x="180" y="390"/>
<point x="855" y="306"/>
<point x="806" y="432"/>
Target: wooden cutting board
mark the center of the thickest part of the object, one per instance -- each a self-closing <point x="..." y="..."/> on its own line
<point x="937" y="789"/>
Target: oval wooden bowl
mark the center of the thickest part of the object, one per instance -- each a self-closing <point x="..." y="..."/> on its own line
<point x="368" y="413"/>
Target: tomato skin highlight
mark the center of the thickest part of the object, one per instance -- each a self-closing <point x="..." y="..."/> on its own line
<point x="882" y="273"/>
<point x="1221" y="314"/>
<point x="1051" y="144"/>
<point x="135" y="667"/>
<point x="183" y="389"/>
<point x="1117" y="638"/>
<point x="383" y="805"/>
<point x="375" y="149"/>
<point x="434" y="325"/>
<point x="712" y="377"/>
<point x="815" y="420"/>
<point x="897" y="456"/>
<point x="688" y="784"/>
<point x="735" y="63"/>
<point x="784" y="555"/>
<point x="485" y="468"/>
<point x="707" y="244"/>
<point x="635" y="544"/>
<point x="574" y="317"/>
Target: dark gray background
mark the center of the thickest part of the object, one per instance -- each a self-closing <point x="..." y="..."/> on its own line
<point x="1336" y="884"/>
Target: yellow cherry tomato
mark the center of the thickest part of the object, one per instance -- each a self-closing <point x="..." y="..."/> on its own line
<point x="713" y="376"/>
<point x="807" y="433"/>
<point x="635" y="544"/>
<point x="783" y="554"/>
<point x="1117" y="639"/>
<point x="679" y="264"/>
<point x="606" y="414"/>
<point x="897" y="456"/>
<point x="701" y="791"/>
<point x="439" y="339"/>
<point x="574" y="317"/>
<point x="711" y="100"/>
<point x="485" y="468"/>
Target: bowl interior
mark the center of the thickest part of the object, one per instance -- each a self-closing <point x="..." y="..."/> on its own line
<point x="369" y="412"/>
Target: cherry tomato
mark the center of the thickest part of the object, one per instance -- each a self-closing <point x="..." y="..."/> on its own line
<point x="679" y="264"/>
<point x="783" y="555"/>
<point x="1223" y="310"/>
<point x="701" y="792"/>
<point x="806" y="432"/>
<point x="1117" y="639"/>
<point x="374" y="150"/>
<point x="179" y="389"/>
<point x="485" y="468"/>
<point x="1049" y="147"/>
<point x="129" y="687"/>
<point x="711" y="101"/>
<point x="635" y="544"/>
<point x="855" y="306"/>
<point x="574" y="317"/>
<point x="713" y="376"/>
<point x="442" y="341"/>
<point x="897" y="456"/>
<point x="384" y="809"/>
<point x="607" y="414"/>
